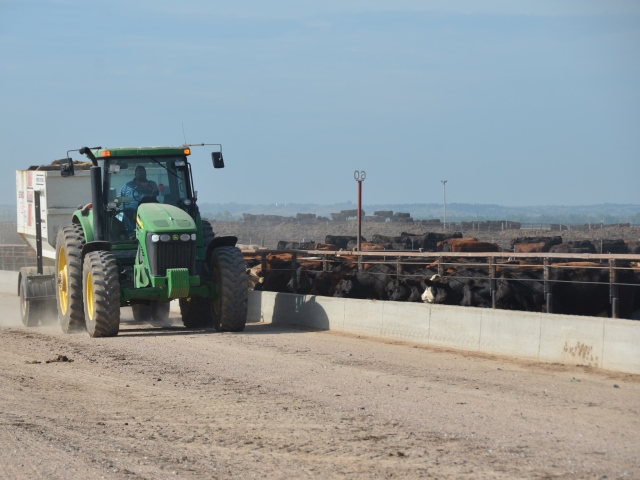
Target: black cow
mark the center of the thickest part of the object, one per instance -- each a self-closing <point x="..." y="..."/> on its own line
<point x="405" y="290"/>
<point x="579" y="246"/>
<point x="520" y="288"/>
<point x="369" y="284"/>
<point x="583" y="289"/>
<point x="325" y="283"/>
<point x="476" y="293"/>
<point x="444" y="291"/>
<point x="382" y="239"/>
<point x="611" y="246"/>
<point x="304" y="281"/>
<point x="341" y="241"/>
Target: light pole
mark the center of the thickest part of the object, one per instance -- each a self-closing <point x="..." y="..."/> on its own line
<point x="444" y="195"/>
<point x="359" y="177"/>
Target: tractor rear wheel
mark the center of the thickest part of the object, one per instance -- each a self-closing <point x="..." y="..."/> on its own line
<point x="68" y="271"/>
<point x="101" y="288"/>
<point x="207" y="233"/>
<point x="229" y="304"/>
<point x="196" y="312"/>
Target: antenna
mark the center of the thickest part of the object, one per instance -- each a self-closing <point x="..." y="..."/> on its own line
<point x="183" y="135"/>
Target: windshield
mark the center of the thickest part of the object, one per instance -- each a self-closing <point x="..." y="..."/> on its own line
<point x="132" y="181"/>
<point x="155" y="177"/>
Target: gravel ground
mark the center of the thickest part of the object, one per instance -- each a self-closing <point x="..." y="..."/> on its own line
<point x="282" y="403"/>
<point x="268" y="235"/>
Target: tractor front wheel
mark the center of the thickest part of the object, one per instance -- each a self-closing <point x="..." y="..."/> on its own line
<point x="196" y="312"/>
<point x="101" y="289"/>
<point x="229" y="303"/>
<point x="157" y="312"/>
<point x="160" y="311"/>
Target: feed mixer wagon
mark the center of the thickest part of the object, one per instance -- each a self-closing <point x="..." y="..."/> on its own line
<point x="124" y="229"/>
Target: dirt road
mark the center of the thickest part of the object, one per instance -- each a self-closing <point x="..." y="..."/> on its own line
<point x="283" y="403"/>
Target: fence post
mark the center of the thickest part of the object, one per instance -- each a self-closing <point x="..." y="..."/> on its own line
<point x="548" y="296"/>
<point x="263" y="263"/>
<point x="613" y="289"/>
<point x="492" y="281"/>
<point x="294" y="271"/>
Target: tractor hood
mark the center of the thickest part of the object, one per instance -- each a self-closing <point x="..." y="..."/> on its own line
<point x="160" y="218"/>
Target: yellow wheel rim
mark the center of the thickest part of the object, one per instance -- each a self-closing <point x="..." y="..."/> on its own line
<point x="63" y="281"/>
<point x="89" y="296"/>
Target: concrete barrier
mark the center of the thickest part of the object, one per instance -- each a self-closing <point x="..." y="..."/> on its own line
<point x="600" y="342"/>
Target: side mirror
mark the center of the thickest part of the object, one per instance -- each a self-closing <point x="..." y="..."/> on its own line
<point x="218" y="162"/>
<point x="66" y="167"/>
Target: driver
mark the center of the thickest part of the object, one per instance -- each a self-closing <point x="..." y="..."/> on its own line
<point x="136" y="190"/>
<point x="139" y="187"/>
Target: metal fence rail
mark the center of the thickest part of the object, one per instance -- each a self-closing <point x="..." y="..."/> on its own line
<point x="14" y="257"/>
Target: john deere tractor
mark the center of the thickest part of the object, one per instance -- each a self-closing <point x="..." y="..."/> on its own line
<point x="141" y="242"/>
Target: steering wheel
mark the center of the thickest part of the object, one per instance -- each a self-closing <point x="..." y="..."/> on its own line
<point x="141" y="191"/>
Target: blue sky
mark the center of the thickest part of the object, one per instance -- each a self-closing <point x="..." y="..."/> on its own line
<point x="514" y="103"/>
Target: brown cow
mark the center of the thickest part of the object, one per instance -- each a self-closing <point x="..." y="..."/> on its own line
<point x="530" y="247"/>
<point x="466" y="245"/>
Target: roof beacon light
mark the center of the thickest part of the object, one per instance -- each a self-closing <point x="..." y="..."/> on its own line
<point x="187" y="151"/>
<point x="105" y="153"/>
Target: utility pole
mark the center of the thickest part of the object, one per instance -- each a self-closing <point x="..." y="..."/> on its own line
<point x="444" y="194"/>
<point x="359" y="177"/>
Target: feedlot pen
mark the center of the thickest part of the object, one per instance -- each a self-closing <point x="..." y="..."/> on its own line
<point x="579" y="284"/>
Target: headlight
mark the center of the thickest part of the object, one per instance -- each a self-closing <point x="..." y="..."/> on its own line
<point x="185" y="237"/>
<point x="155" y="237"/>
<point x="194" y="237"/>
<point x="165" y="237"/>
<point x="187" y="202"/>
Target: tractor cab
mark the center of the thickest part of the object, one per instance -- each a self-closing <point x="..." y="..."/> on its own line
<point x="132" y="181"/>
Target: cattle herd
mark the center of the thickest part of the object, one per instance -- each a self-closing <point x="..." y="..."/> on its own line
<point x="564" y="286"/>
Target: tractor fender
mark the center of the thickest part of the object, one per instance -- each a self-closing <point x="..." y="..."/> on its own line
<point x="224" y="241"/>
<point x="86" y="222"/>
<point x="95" y="246"/>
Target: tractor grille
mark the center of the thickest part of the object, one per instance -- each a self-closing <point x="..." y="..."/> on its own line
<point x="173" y="254"/>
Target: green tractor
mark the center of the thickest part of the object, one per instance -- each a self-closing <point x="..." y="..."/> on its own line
<point x="141" y="242"/>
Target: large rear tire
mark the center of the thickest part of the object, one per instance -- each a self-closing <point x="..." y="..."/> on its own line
<point x="207" y="233"/>
<point x="69" y="244"/>
<point x="196" y="312"/>
<point x="229" y="304"/>
<point x="101" y="288"/>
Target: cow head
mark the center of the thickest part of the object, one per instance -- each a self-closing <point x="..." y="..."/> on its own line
<point x="345" y="287"/>
<point x="444" y="291"/>
<point x="397" y="291"/>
